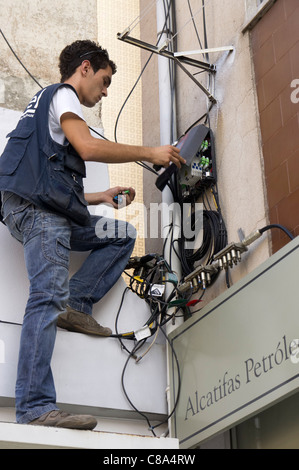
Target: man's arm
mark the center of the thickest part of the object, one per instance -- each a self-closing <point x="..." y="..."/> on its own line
<point x="98" y="150"/>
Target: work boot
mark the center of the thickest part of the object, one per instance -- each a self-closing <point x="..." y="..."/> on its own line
<point x="60" y="419"/>
<point x="79" y="322"/>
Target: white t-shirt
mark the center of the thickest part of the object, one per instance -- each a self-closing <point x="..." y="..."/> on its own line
<point x="64" y="100"/>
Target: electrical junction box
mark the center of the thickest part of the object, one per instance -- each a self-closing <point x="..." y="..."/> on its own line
<point x="199" y="172"/>
<point x="197" y="148"/>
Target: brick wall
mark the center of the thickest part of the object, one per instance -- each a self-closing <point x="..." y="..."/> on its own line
<point x="275" y="47"/>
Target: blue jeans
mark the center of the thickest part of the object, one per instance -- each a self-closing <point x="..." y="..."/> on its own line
<point x="47" y="239"/>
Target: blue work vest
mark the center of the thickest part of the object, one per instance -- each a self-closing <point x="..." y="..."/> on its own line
<point x="39" y="169"/>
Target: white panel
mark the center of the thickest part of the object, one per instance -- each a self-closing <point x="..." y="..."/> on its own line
<point x="87" y="372"/>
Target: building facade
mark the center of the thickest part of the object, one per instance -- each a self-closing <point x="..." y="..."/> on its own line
<point x="252" y="46"/>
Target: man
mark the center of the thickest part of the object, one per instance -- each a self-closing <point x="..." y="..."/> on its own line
<point x="45" y="208"/>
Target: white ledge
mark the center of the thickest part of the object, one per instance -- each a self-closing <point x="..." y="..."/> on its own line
<point x="22" y="436"/>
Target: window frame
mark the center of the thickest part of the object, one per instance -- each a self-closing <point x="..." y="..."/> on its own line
<point x="255" y="11"/>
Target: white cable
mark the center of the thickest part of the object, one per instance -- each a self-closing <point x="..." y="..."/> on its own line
<point x="153" y="342"/>
<point x="147" y="9"/>
<point x="191" y="18"/>
<point x="142" y="15"/>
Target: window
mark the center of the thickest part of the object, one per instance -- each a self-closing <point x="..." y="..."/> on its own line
<point x="255" y="10"/>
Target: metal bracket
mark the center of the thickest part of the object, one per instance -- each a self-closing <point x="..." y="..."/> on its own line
<point x="205" y="51"/>
<point x="165" y="53"/>
<point x="170" y="55"/>
<point x="202" y="87"/>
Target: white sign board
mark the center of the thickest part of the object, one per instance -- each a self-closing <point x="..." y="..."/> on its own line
<point x="240" y="353"/>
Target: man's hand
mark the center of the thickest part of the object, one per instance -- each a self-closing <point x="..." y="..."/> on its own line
<point x="106" y="197"/>
<point x="127" y="196"/>
<point x="166" y="155"/>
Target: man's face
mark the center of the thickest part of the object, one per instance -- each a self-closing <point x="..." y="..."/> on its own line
<point x="96" y="86"/>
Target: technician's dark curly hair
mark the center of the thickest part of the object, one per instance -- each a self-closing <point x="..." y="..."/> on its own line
<point x="74" y="54"/>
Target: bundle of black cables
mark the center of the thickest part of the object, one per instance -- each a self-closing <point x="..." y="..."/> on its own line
<point x="214" y="238"/>
<point x="214" y="233"/>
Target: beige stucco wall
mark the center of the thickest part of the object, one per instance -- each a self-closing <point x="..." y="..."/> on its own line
<point x="234" y="120"/>
<point x="235" y="123"/>
<point x="38" y="30"/>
